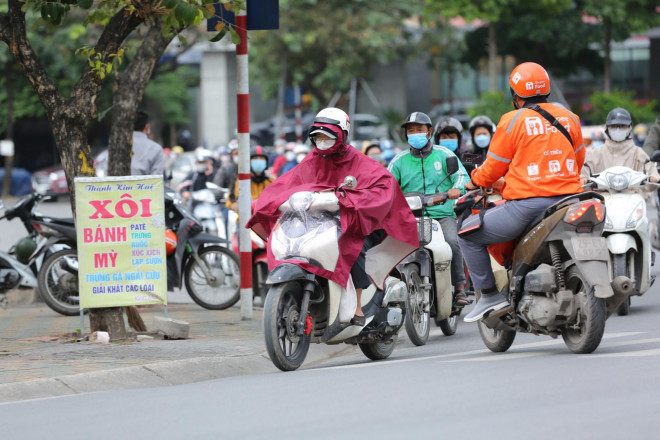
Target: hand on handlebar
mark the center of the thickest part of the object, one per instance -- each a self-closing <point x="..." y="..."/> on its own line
<point x="454" y="193"/>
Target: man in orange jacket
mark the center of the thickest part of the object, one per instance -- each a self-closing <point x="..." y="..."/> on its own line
<point x="538" y="151"/>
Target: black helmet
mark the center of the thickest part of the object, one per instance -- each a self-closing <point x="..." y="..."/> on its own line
<point x="416" y="118"/>
<point x="448" y="124"/>
<point x="481" y="121"/>
<point x="618" y="116"/>
<point x="258" y="151"/>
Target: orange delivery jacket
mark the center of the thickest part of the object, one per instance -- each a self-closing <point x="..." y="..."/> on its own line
<point x="535" y="159"/>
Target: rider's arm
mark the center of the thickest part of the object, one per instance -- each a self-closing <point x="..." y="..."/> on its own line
<point x="500" y="154"/>
<point x="459" y="178"/>
<point x="393" y="168"/>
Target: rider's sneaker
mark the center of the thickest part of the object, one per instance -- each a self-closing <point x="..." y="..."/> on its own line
<point x="487" y="302"/>
<point x="460" y="299"/>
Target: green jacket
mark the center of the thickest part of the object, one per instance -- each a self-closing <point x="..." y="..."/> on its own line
<point x="424" y="174"/>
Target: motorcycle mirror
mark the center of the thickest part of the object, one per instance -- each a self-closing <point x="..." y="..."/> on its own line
<point x="349" y="182"/>
<point x="452" y="164"/>
<point x="587" y="165"/>
<point x="655" y="157"/>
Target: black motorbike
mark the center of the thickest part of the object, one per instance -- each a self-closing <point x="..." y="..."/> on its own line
<point x="20" y="266"/>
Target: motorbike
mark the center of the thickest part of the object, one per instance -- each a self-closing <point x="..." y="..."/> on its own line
<point x="427" y="271"/>
<point x="211" y="272"/>
<point x="46" y="235"/>
<point x="206" y="205"/>
<point x="302" y="307"/>
<point x="626" y="228"/>
<point x="556" y="278"/>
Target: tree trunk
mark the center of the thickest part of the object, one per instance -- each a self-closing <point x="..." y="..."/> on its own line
<point x="9" y="132"/>
<point x="109" y="320"/>
<point x="492" y="57"/>
<point x="607" y="73"/>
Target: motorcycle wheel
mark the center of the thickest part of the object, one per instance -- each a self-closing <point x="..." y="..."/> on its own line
<point x="58" y="282"/>
<point x="654" y="234"/>
<point x="587" y="337"/>
<point x="417" y="320"/>
<point x="620" y="269"/>
<point x="377" y="351"/>
<point x="497" y="341"/>
<point x="224" y="288"/>
<point x="449" y="325"/>
<point x="286" y="349"/>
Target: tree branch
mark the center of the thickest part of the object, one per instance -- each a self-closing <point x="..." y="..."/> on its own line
<point x="12" y="32"/>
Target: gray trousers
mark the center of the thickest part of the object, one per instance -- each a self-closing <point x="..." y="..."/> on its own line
<point x="502" y="223"/>
<point x="449" y="230"/>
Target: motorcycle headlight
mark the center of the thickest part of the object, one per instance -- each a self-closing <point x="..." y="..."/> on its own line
<point x="618" y="182"/>
<point x="635" y="216"/>
<point x="415" y="202"/>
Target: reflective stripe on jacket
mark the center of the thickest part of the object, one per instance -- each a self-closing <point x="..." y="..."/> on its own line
<point x="535" y="159"/>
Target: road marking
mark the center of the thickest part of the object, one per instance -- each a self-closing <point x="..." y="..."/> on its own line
<point x="636" y="353"/>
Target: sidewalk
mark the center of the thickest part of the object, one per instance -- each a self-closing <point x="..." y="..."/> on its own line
<point x="38" y="357"/>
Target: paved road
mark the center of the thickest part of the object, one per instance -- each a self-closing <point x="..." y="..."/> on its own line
<point x="451" y="388"/>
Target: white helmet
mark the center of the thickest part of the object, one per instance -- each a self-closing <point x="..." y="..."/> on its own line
<point x="334" y="116"/>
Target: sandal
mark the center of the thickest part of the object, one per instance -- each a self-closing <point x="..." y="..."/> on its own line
<point x="359" y="320"/>
<point x="460" y="299"/>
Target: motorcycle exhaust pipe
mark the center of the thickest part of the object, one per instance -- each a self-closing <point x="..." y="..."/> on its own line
<point x="622" y="285"/>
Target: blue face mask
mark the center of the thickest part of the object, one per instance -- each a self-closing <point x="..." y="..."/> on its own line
<point x="258" y="165"/>
<point x="417" y="140"/>
<point x="451" y="144"/>
<point x="482" y="140"/>
<point x="596" y="144"/>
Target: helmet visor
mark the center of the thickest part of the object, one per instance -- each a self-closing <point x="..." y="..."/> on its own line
<point x="324" y="120"/>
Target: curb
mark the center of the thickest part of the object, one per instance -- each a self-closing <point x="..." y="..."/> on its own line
<point x="157" y="374"/>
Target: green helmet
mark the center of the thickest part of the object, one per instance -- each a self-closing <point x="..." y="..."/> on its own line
<point x="24" y="248"/>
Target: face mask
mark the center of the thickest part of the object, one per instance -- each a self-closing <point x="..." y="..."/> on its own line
<point x="300" y="157"/>
<point x="324" y="145"/>
<point x="377" y="157"/>
<point x="482" y="140"/>
<point x="619" y="134"/>
<point x="596" y="144"/>
<point x="279" y="150"/>
<point x="200" y="168"/>
<point x="234" y="159"/>
<point x="258" y="165"/>
<point x="451" y="144"/>
<point x="289" y="156"/>
<point x="641" y="137"/>
<point x="417" y="140"/>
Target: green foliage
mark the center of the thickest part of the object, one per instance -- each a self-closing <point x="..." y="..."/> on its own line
<point x="169" y="91"/>
<point x="326" y="43"/>
<point x="493" y="105"/>
<point x="604" y="102"/>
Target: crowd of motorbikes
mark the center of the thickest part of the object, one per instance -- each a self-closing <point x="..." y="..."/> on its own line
<point x="564" y="277"/>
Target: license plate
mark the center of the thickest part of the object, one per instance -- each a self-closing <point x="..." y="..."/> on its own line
<point x="590" y="248"/>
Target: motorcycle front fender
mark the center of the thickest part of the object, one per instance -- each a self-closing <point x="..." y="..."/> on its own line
<point x="621" y="243"/>
<point x="288" y="272"/>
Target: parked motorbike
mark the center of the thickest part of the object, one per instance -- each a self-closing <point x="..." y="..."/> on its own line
<point x="19" y="267"/>
<point x="557" y="278"/>
<point x="626" y="228"/>
<point x="302" y="307"/>
<point x="210" y="271"/>
<point x="427" y="271"/>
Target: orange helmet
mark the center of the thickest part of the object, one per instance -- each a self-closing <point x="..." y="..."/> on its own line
<point x="529" y="79"/>
<point x="170" y="241"/>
